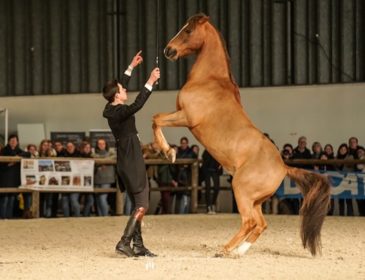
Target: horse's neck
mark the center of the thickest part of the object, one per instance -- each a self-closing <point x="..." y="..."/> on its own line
<point x="212" y="60"/>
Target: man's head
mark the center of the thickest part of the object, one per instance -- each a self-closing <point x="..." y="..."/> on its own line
<point x="113" y="90"/>
<point x="70" y="147"/>
<point x="13" y="141"/>
<point x="353" y="143"/>
<point x="302" y="142"/>
<point x="184" y="143"/>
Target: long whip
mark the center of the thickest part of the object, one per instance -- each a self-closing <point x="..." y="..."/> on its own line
<point x="157" y="34"/>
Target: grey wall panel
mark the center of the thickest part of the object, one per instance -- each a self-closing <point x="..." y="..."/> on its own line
<point x="66" y="46"/>
<point x="347" y="42"/>
<point x="324" y="35"/>
<point x="256" y="70"/>
<point x="3" y="48"/>
<point x="279" y="73"/>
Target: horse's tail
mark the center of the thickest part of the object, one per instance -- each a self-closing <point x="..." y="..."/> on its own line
<point x="316" y="191"/>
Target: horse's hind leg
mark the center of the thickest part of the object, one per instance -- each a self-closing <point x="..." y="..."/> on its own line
<point x="261" y="224"/>
<point x="248" y="223"/>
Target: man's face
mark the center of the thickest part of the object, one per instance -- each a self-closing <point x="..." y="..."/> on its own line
<point x="70" y="148"/>
<point x="87" y="149"/>
<point x="360" y="153"/>
<point x="13" y="142"/>
<point x="353" y="143"/>
<point x="58" y="146"/>
<point x="122" y="93"/>
<point x="101" y="145"/>
<point x="184" y="144"/>
<point x="302" y="143"/>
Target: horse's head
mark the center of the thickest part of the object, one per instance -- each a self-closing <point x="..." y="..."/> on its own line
<point x="189" y="39"/>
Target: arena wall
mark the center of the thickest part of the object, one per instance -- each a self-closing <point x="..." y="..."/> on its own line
<point x="326" y="113"/>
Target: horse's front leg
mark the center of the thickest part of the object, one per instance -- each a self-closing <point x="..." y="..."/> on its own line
<point x="171" y="120"/>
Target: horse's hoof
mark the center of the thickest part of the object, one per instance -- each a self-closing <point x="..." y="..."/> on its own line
<point x="219" y="255"/>
<point x="171" y="155"/>
<point x="223" y="252"/>
<point x="242" y="249"/>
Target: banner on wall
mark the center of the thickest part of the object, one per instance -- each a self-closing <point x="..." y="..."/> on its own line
<point x="343" y="185"/>
<point x="55" y="174"/>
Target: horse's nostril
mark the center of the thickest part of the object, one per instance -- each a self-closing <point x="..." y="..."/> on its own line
<point x="169" y="52"/>
<point x="166" y="51"/>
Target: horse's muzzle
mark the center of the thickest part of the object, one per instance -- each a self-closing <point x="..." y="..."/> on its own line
<point x="170" y="53"/>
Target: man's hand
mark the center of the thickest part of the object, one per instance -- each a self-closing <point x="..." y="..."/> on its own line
<point x="154" y="76"/>
<point x="137" y="59"/>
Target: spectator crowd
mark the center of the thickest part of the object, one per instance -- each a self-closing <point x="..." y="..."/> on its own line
<point x="173" y="179"/>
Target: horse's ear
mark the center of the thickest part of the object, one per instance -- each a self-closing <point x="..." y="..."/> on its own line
<point x="203" y="19"/>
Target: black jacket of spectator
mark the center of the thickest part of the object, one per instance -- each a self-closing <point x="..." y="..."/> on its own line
<point x="10" y="173"/>
<point x="306" y="154"/>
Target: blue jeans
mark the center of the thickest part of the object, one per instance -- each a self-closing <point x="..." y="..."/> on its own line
<point x="47" y="204"/>
<point x="75" y="205"/>
<point x="7" y="206"/>
<point x="102" y="201"/>
<point x="89" y="202"/>
<point x="182" y="204"/>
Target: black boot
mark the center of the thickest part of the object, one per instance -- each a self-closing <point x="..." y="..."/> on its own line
<point x="138" y="248"/>
<point x="124" y="245"/>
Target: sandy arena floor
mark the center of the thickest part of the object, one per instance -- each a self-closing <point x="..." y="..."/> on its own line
<point x="83" y="248"/>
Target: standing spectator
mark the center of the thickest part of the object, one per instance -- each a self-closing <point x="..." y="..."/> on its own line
<point x="32" y="150"/>
<point x="212" y="170"/>
<point x="86" y="152"/>
<point x="343" y="153"/>
<point x="60" y="152"/>
<point x="9" y="176"/>
<point x="195" y="149"/>
<point x="59" y="148"/>
<point x="360" y="154"/>
<point x="44" y="150"/>
<point x="165" y="178"/>
<point x="287" y="151"/>
<point x="104" y="176"/>
<point x="353" y="146"/>
<point x="300" y="152"/>
<point x="183" y="177"/>
<point x="328" y="154"/>
<point x="72" y="198"/>
<point x="46" y="199"/>
<point x="286" y="205"/>
<point x="52" y="150"/>
<point x="317" y="152"/>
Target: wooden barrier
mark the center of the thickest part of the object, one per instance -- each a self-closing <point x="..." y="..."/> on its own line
<point x="119" y="199"/>
<point x="194" y="165"/>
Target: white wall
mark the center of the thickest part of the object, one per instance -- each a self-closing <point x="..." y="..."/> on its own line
<point x="328" y="113"/>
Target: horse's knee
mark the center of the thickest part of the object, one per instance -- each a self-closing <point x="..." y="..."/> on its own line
<point x="248" y="222"/>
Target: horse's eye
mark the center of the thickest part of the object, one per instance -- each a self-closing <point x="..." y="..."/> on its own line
<point x="188" y="31"/>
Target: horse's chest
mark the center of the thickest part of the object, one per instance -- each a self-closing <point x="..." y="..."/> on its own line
<point x="191" y="101"/>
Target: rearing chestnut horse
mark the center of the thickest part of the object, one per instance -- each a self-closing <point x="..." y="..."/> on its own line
<point x="209" y="105"/>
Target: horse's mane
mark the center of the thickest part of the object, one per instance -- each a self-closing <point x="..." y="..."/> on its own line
<point x="193" y="21"/>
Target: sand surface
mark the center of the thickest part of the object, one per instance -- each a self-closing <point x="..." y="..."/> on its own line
<point x="83" y="248"/>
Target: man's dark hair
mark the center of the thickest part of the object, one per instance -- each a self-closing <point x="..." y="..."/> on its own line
<point x="184" y="138"/>
<point x="13" y="136"/>
<point x="110" y="89"/>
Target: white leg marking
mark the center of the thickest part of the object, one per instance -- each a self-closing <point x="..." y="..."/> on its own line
<point x="243" y="248"/>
